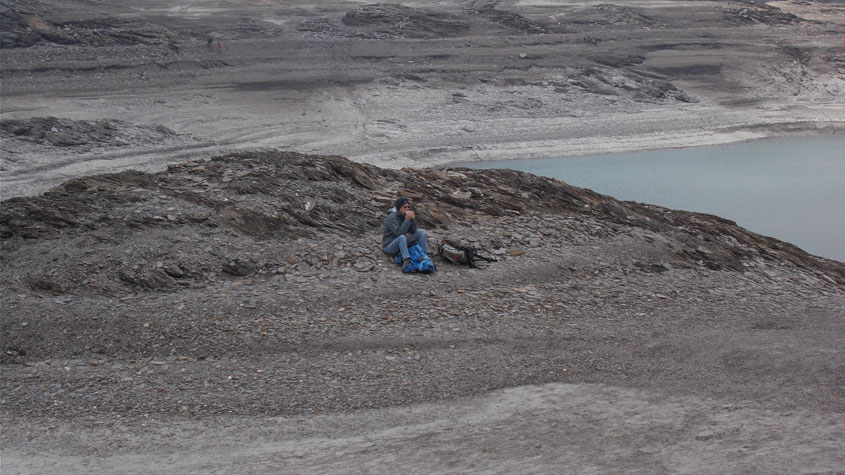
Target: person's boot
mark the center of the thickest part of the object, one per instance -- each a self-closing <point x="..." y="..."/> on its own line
<point x="406" y="266"/>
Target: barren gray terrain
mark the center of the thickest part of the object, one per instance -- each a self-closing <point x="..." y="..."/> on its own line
<point x="192" y="282"/>
<point x="416" y="84"/>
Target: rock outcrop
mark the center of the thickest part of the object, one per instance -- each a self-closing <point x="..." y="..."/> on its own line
<point x="248" y="199"/>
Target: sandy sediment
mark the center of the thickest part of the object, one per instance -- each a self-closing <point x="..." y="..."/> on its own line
<point x="411" y="86"/>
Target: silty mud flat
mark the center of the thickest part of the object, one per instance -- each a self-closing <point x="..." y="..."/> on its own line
<point x="231" y="313"/>
<point x="410" y="85"/>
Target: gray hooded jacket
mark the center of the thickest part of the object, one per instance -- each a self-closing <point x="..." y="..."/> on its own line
<point x="396" y="225"/>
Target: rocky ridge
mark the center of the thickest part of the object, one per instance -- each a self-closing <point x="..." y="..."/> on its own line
<point x="257" y="198"/>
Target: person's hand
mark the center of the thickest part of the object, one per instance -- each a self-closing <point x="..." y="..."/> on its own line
<point x="409" y="215"/>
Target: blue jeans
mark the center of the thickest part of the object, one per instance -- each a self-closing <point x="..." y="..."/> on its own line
<point x="400" y="244"/>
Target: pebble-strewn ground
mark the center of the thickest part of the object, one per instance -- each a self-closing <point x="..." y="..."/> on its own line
<point x="251" y="286"/>
<point x="221" y="305"/>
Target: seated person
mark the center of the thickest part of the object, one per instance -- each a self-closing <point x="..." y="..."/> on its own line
<point x="400" y="232"/>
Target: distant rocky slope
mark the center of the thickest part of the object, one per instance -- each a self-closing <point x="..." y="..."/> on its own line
<point x="72" y="133"/>
<point x="25" y="24"/>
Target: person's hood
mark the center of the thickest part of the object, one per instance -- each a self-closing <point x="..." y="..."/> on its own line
<point x="391" y="210"/>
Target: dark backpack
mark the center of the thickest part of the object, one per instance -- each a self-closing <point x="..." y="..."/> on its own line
<point x="456" y="253"/>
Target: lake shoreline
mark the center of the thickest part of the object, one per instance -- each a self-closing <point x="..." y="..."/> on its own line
<point x="649" y="142"/>
<point x="787" y="187"/>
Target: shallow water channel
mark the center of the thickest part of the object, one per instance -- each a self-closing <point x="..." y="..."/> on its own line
<point x="791" y="189"/>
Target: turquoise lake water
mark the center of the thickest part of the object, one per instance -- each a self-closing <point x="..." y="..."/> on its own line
<point x="790" y="189"/>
